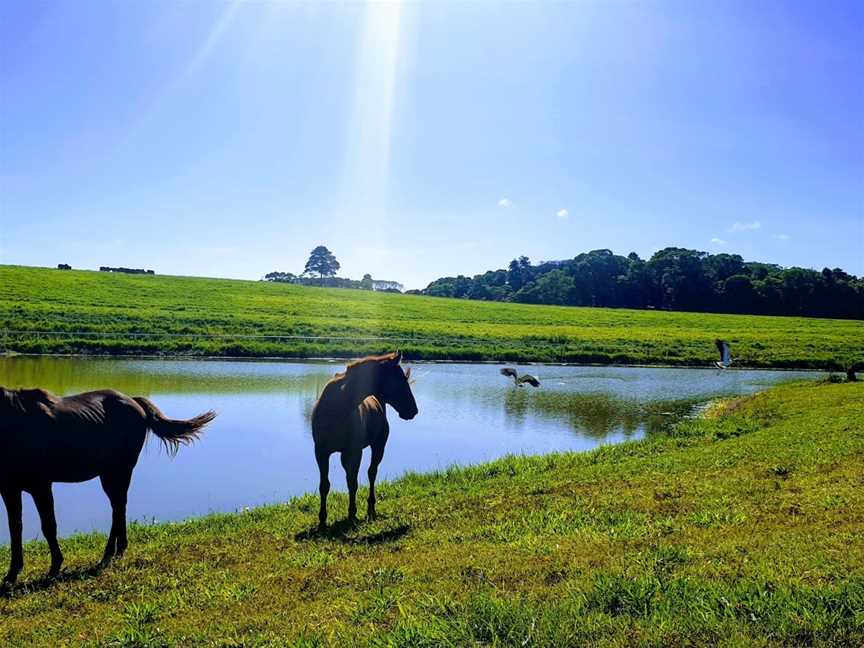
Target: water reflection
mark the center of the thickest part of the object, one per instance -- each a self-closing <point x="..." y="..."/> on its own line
<point x="595" y="415"/>
<point x="469" y="413"/>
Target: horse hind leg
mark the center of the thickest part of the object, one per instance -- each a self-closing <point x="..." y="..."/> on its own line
<point x="12" y="499"/>
<point x="116" y="487"/>
<point x="44" y="500"/>
<point x="323" y="460"/>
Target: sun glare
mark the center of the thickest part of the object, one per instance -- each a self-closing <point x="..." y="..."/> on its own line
<point x="368" y="150"/>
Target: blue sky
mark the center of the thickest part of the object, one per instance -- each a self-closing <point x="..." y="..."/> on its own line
<point x="421" y="140"/>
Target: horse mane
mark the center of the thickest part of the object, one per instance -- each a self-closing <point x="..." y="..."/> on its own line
<point x="372" y="359"/>
<point x="29" y="401"/>
<point x="355" y="369"/>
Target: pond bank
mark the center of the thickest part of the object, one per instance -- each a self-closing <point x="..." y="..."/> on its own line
<point x="344" y="359"/>
<point x="747" y="517"/>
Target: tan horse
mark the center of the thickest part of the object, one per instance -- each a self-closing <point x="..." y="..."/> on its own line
<point x="46" y="439"/>
<point x="350" y="415"/>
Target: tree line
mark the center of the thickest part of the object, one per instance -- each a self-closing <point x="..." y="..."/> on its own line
<point x="673" y="279"/>
<point x="126" y="270"/>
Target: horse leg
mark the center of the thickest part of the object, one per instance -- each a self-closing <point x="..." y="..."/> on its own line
<point x="116" y="487"/>
<point x="351" y="464"/>
<point x="377" y="455"/>
<point x="323" y="460"/>
<point x="44" y="500"/>
<point x="12" y="499"/>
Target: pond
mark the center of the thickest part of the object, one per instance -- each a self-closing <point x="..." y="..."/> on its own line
<point x="259" y="449"/>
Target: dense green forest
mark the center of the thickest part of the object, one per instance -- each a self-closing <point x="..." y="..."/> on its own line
<point x="673" y="279"/>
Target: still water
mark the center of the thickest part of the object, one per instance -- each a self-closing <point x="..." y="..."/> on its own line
<point x="259" y="449"/>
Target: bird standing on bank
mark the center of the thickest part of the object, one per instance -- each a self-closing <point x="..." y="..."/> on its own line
<point x="534" y="381"/>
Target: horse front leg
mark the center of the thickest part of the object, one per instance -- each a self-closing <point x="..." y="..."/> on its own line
<point x="377" y="455"/>
<point x="323" y="459"/>
<point x="351" y="464"/>
<point x="12" y="500"/>
<point x="44" y="500"/>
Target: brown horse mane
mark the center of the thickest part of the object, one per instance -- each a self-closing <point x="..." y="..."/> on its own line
<point x="372" y="359"/>
<point x="355" y="369"/>
<point x="28" y="401"/>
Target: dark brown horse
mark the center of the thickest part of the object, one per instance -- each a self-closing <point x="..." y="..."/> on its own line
<point x="46" y="439"/>
<point x="350" y="415"/>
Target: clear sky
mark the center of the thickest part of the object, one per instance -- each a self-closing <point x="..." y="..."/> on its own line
<point x="417" y="140"/>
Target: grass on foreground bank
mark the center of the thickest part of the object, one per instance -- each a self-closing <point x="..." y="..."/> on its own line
<point x="741" y="528"/>
<point x="92" y="312"/>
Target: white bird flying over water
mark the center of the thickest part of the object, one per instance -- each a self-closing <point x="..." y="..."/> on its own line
<point x="725" y="354"/>
<point x="520" y="380"/>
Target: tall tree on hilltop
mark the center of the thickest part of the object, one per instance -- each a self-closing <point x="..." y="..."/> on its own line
<point x="321" y="262"/>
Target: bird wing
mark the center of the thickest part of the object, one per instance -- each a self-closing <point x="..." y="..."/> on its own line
<point x="726" y="354"/>
<point x="508" y="371"/>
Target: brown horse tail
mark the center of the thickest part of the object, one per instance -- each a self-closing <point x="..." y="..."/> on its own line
<point x="173" y="433"/>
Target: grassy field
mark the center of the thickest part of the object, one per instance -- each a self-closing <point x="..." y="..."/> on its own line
<point x="51" y="311"/>
<point x="741" y="528"/>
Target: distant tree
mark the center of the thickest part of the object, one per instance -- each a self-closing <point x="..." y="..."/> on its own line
<point x="739" y="294"/>
<point x="366" y="283"/>
<point x="518" y="273"/>
<point x="680" y="281"/>
<point x="322" y="262"/>
<point x="281" y="277"/>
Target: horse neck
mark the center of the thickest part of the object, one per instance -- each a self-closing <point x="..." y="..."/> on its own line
<point x="359" y="383"/>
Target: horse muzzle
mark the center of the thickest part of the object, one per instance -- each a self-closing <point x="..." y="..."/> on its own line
<point x="407" y="416"/>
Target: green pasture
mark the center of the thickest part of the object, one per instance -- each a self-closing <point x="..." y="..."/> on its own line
<point x="51" y="311"/>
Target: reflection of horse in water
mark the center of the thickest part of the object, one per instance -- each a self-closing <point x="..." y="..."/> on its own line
<point x="350" y="415"/>
<point x="46" y="439"/>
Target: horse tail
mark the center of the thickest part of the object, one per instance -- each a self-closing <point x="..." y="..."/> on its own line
<point x="172" y="432"/>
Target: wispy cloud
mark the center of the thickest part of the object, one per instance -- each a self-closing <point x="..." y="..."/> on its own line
<point x="718" y="241"/>
<point x="781" y="237"/>
<point x="505" y="203"/>
<point x="745" y="227"/>
<point x="562" y="213"/>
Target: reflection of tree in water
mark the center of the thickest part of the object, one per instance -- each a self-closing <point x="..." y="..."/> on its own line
<point x="595" y="415"/>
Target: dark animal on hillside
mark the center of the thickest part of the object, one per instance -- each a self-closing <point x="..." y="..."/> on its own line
<point x="534" y="381"/>
<point x="46" y="439"/>
<point x="351" y="414"/>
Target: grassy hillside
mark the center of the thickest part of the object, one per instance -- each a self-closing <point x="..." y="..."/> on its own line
<point x="51" y="311"/>
<point x="741" y="528"/>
